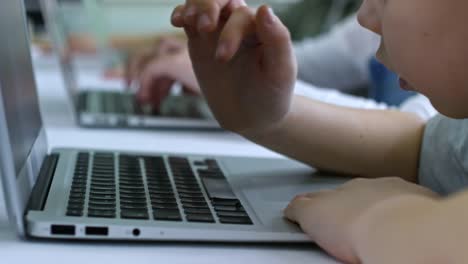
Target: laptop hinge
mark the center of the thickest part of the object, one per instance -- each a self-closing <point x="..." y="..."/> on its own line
<point x="41" y="189"/>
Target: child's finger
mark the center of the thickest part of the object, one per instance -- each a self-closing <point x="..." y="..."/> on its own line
<point x="275" y="39"/>
<point x="296" y="207"/>
<point x="208" y="19"/>
<point x="241" y="23"/>
<point x="204" y="15"/>
<point x="177" y="18"/>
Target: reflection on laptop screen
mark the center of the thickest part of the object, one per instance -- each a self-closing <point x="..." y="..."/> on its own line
<point x="17" y="83"/>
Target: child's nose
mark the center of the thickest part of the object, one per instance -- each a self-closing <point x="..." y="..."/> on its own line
<point x="368" y="16"/>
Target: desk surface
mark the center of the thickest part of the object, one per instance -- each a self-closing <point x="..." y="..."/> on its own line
<point x="62" y="132"/>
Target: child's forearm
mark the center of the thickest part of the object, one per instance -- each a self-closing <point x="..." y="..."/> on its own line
<point x="367" y="143"/>
<point x="412" y="229"/>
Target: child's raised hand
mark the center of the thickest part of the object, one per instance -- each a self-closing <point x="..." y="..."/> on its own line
<point x="243" y="60"/>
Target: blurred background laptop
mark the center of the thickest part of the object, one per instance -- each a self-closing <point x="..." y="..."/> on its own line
<point x="107" y="103"/>
<point x="95" y="38"/>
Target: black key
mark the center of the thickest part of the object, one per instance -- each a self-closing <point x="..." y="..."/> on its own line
<point x="188" y="189"/>
<point x="101" y="207"/>
<point x="163" y="200"/>
<point x="232" y="213"/>
<point x="99" y="199"/>
<point x="130" y="173"/>
<point x="133" y="214"/>
<point x="74" y="213"/>
<point x="228" y="208"/>
<point x="199" y="163"/>
<point x="130" y="183"/>
<point x="133" y="196"/>
<point x="229" y="202"/>
<point x="110" y="203"/>
<point x="75" y="201"/>
<point x="128" y="205"/>
<point x="154" y="173"/>
<point x="217" y="187"/>
<point x="135" y="206"/>
<point x="205" y="218"/>
<point x="167" y="214"/>
<point x="192" y="200"/>
<point x="210" y="172"/>
<point x="77" y="195"/>
<point x="162" y="196"/>
<point x="102" y="192"/>
<point x="106" y="165"/>
<point x="164" y="206"/>
<point x="78" y="190"/>
<point x="102" y="184"/>
<point x="78" y="207"/>
<point x="80" y="177"/>
<point x="188" y="186"/>
<point x="177" y="159"/>
<point x="78" y="185"/>
<point x="101" y="196"/>
<point x="106" y="189"/>
<point x="235" y="220"/>
<point x="131" y="189"/>
<point x="194" y="204"/>
<point x="191" y="195"/>
<point x="161" y="192"/>
<point x="204" y="210"/>
<point x="158" y="181"/>
<point x="183" y="175"/>
<point x="102" y="213"/>
<point x="132" y="201"/>
<point x="186" y="182"/>
<point x="103" y="181"/>
<point x="103" y="175"/>
<point x="161" y="187"/>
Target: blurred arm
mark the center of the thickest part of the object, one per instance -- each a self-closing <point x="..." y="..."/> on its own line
<point x="339" y="58"/>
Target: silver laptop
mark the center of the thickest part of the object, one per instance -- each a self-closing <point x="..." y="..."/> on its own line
<point x="96" y="107"/>
<point x="108" y="195"/>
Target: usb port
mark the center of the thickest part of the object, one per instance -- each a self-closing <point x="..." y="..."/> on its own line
<point x="68" y="230"/>
<point x="96" y="231"/>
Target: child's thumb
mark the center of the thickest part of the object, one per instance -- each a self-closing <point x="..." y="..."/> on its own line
<point x="275" y="40"/>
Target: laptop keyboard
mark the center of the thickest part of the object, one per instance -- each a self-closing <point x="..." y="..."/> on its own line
<point x="108" y="185"/>
<point x="109" y="102"/>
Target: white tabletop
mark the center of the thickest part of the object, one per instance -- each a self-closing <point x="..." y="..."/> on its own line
<point x="62" y="132"/>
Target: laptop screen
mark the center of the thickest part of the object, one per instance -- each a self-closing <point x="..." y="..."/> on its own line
<point x="17" y="82"/>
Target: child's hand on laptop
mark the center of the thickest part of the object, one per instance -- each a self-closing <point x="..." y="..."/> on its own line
<point x="243" y="60"/>
<point x="346" y="220"/>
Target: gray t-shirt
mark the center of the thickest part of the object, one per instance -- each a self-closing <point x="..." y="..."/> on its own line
<point x="444" y="155"/>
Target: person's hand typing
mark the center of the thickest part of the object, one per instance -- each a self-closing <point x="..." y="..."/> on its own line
<point x="243" y="60"/>
<point x="157" y="68"/>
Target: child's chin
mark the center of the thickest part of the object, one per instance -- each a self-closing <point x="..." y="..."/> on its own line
<point x="405" y="85"/>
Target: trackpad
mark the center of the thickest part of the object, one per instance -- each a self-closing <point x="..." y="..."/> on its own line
<point x="268" y="195"/>
<point x="268" y="185"/>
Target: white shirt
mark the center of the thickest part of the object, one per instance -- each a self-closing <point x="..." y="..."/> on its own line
<point x="339" y="61"/>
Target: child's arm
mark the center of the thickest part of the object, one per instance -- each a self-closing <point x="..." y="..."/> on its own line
<point x="246" y="68"/>
<point x="366" y="143"/>
<point x="414" y="230"/>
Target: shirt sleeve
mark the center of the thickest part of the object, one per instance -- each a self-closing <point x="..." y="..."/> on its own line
<point x="443" y="164"/>
<point x="339" y="58"/>
<point x="417" y="104"/>
<point x="420" y="105"/>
